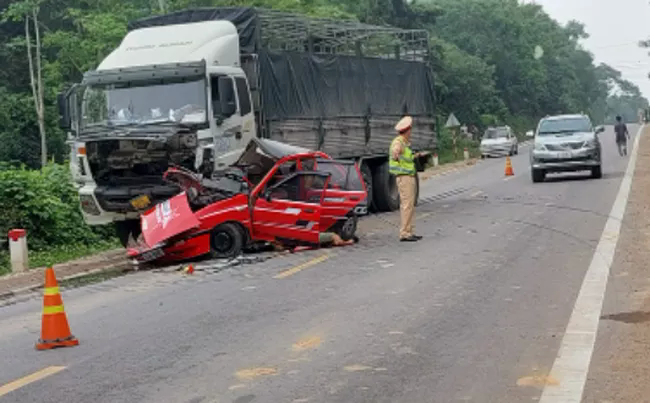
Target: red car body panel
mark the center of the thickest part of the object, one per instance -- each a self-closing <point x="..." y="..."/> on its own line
<point x="176" y="232"/>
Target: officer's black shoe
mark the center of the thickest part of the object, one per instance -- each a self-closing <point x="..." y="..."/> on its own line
<point x="409" y="239"/>
<point x="417" y="237"/>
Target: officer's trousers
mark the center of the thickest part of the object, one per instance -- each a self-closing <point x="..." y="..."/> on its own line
<point x="406" y="187"/>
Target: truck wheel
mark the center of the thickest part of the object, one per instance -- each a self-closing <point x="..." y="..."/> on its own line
<point x="417" y="188"/>
<point x="226" y="241"/>
<point x="538" y="175"/>
<point x="386" y="195"/>
<point x="127" y="229"/>
<point x="366" y="174"/>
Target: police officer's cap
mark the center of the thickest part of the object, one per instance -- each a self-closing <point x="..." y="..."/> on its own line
<point x="404" y="124"/>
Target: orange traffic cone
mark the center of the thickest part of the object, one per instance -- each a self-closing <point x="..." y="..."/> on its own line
<point x="55" y="331"/>
<point x="189" y="270"/>
<point x="509" y="170"/>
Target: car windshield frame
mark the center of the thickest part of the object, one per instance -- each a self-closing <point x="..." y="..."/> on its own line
<point x="550" y="127"/>
<point x="179" y="101"/>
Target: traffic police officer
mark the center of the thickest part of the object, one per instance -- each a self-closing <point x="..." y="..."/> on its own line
<point x="402" y="165"/>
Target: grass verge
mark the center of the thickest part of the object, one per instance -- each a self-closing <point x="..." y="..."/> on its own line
<point x="57" y="255"/>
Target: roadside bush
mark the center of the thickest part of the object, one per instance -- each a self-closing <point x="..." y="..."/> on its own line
<point x="45" y="203"/>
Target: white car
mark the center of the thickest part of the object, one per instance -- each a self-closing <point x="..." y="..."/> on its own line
<point x="499" y="142"/>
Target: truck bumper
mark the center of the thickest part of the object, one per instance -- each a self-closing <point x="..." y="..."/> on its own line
<point x="94" y="214"/>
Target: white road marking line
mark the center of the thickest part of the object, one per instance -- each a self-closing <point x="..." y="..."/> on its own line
<point x="572" y="363"/>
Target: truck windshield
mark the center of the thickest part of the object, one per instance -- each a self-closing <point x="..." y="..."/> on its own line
<point x="564" y="126"/>
<point x="143" y="103"/>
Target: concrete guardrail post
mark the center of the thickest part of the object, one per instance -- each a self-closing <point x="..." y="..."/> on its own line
<point x="18" y="250"/>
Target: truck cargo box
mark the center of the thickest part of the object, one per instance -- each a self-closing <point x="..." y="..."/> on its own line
<point x="336" y="86"/>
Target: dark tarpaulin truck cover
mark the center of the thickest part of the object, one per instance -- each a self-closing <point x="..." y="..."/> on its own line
<point x="305" y="94"/>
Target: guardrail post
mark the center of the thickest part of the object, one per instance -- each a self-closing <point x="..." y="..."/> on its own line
<point x="18" y="250"/>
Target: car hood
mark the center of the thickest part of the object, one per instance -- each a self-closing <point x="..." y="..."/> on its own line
<point x="565" y="138"/>
<point x="168" y="219"/>
<point x="489" y="142"/>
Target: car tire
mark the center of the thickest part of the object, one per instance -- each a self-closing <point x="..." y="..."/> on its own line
<point x="226" y="241"/>
<point x="538" y="175"/>
<point x="597" y="172"/>
<point x="366" y="174"/>
<point x="348" y="227"/>
<point x="385" y="193"/>
<point x="516" y="150"/>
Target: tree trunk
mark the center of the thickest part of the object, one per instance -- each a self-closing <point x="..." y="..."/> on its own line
<point x="36" y="81"/>
<point x="41" y="91"/>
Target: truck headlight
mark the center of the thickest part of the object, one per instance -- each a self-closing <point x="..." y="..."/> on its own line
<point x="88" y="205"/>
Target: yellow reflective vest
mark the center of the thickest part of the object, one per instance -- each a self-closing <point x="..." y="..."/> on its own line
<point x="406" y="163"/>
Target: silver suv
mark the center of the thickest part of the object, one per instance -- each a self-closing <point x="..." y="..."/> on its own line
<point x="565" y="143"/>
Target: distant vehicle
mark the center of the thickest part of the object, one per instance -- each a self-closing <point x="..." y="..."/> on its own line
<point x="498" y="142"/>
<point x="302" y="194"/>
<point x="566" y="143"/>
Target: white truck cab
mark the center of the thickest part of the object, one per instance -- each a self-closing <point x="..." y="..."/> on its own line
<point x="168" y="95"/>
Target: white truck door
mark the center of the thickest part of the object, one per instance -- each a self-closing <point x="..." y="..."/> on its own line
<point x="248" y="130"/>
<point x="226" y="118"/>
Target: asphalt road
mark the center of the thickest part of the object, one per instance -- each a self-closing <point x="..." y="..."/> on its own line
<point x="475" y="312"/>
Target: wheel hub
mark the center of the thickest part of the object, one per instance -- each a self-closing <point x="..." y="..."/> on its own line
<point x="223" y="242"/>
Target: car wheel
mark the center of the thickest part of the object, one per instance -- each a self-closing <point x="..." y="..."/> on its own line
<point x="348" y="227"/>
<point x="226" y="241"/>
<point x="538" y="175"/>
<point x="597" y="172"/>
<point x="517" y="150"/>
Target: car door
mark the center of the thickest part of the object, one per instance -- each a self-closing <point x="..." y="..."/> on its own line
<point x="345" y="192"/>
<point x="290" y="209"/>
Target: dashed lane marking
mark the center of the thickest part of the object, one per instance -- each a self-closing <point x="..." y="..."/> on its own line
<point x="24" y="381"/>
<point x="572" y="363"/>
<point x="301" y="267"/>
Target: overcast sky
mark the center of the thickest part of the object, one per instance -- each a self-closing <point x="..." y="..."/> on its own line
<point x="615" y="28"/>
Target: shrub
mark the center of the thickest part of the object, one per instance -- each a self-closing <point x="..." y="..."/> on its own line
<point x="46" y="204"/>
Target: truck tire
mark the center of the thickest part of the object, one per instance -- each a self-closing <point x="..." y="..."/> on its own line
<point x="386" y="195"/>
<point x="127" y="229"/>
<point x="226" y="241"/>
<point x="366" y="173"/>
<point x="417" y="188"/>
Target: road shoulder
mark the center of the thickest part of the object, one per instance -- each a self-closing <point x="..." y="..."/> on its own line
<point x="621" y="358"/>
<point x="13" y="285"/>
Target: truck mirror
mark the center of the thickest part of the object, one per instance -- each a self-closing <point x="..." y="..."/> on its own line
<point x="64" y="111"/>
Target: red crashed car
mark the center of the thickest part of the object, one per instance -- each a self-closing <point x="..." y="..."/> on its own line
<point x="274" y="193"/>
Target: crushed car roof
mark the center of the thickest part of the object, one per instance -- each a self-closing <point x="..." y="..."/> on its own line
<point x="277" y="149"/>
